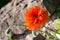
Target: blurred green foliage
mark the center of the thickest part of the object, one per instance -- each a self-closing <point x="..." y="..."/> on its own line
<point x="57" y="22"/>
<point x="58" y="11"/>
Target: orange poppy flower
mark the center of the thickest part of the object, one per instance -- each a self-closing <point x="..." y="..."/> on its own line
<point x="36" y="17"/>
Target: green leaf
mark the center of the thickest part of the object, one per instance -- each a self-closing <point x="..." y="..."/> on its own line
<point x="7" y="34"/>
<point x="57" y="22"/>
<point x="34" y="33"/>
<point x="9" y="37"/>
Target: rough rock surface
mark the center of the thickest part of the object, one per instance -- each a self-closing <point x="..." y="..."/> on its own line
<point x="12" y="16"/>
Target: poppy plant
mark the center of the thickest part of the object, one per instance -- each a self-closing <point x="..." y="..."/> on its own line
<point x="36" y="17"/>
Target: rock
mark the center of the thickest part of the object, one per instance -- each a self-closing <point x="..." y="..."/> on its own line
<point x="3" y="27"/>
<point x="39" y="37"/>
<point x="55" y="25"/>
<point x="16" y="14"/>
<point x="12" y="16"/>
<point x="17" y="29"/>
<point x="29" y="37"/>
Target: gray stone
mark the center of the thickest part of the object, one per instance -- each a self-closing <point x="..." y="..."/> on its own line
<point x="17" y="29"/>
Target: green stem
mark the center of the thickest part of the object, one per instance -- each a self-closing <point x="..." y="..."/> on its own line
<point x="34" y="33"/>
<point x="7" y="34"/>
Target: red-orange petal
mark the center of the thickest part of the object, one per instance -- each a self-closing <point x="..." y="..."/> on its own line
<point x="38" y="22"/>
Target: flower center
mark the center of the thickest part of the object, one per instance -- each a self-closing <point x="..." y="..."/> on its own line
<point x="35" y="16"/>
